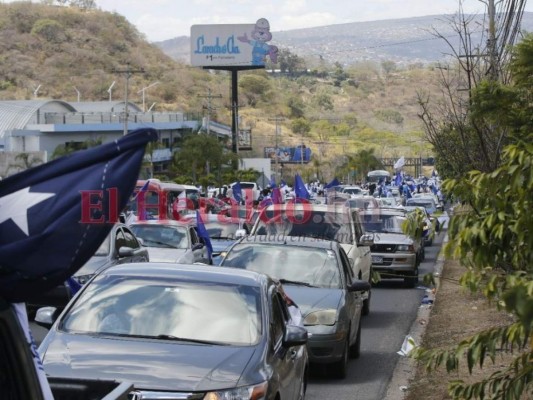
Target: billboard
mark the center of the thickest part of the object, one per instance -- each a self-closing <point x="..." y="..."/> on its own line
<point x="224" y="45"/>
<point x="297" y="154"/>
<point x="244" y="140"/>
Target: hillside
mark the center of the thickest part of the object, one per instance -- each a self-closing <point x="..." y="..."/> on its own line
<point x="404" y="41"/>
<point x="57" y="52"/>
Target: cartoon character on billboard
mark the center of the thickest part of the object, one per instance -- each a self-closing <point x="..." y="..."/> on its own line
<point x="260" y="36"/>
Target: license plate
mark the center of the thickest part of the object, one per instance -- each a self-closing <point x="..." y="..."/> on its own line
<point x="377" y="260"/>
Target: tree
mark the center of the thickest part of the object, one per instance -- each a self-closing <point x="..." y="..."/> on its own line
<point x="301" y="126"/>
<point x="475" y="140"/>
<point x="491" y="235"/>
<point x="296" y="107"/>
<point x="71" y="147"/>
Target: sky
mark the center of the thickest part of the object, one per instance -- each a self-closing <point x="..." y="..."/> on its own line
<point x="160" y="20"/>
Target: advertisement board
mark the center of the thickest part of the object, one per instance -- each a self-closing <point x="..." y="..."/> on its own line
<point x="297" y="154"/>
<point x="245" y="139"/>
<point x="225" y="45"/>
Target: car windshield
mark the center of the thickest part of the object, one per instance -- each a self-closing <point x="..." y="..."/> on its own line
<point x="327" y="225"/>
<point x="353" y="190"/>
<point x="163" y="236"/>
<point x="167" y="308"/>
<point x="294" y="265"/>
<point x="383" y="223"/>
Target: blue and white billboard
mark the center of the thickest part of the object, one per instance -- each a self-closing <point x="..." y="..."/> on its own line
<point x="225" y="45"/>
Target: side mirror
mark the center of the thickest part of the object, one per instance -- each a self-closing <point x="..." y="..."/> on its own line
<point x="359" y="286"/>
<point x="198" y="246"/>
<point x="125" y="251"/>
<point x="240" y="233"/>
<point x="294" y="336"/>
<point x="366" y="240"/>
<point x="46" y="316"/>
<point x="141" y="241"/>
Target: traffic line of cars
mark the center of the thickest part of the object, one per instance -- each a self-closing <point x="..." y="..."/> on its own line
<point x="284" y="295"/>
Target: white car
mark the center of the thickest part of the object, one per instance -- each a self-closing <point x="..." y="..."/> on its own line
<point x="172" y="241"/>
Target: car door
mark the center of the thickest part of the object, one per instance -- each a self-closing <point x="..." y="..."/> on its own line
<point x="353" y="300"/>
<point x="284" y="361"/>
<point x="362" y="254"/>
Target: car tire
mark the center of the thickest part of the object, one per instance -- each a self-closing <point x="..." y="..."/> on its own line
<point x="412" y="279"/>
<point x="355" y="349"/>
<point x="366" y="304"/>
<point x="340" y="367"/>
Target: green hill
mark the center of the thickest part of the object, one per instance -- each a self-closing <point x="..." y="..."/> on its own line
<point x="57" y="52"/>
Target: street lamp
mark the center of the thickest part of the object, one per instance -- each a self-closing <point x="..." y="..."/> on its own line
<point x="109" y="90"/>
<point x="144" y="90"/>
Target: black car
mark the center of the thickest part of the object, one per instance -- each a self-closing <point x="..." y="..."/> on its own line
<point x="120" y="246"/>
<point x="316" y="274"/>
<point x="180" y="331"/>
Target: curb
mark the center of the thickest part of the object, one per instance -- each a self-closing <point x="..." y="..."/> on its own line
<point x="406" y="367"/>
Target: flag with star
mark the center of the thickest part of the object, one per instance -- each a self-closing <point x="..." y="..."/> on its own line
<point x="54" y="217"/>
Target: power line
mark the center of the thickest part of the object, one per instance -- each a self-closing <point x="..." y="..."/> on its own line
<point x="128" y="72"/>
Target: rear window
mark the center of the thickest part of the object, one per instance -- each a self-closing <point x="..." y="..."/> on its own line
<point x="332" y="224"/>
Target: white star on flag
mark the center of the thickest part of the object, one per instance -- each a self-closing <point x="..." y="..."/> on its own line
<point x="15" y="206"/>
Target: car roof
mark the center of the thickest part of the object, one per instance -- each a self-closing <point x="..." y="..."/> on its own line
<point x="188" y="271"/>
<point x="306" y="206"/>
<point x="290" y="241"/>
<point x="167" y="222"/>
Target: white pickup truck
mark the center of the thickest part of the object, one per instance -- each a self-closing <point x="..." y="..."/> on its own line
<point x="322" y="221"/>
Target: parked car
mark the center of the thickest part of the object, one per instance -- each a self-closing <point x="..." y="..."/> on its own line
<point x="387" y="202"/>
<point x="394" y="254"/>
<point x="172" y="241"/>
<point x="429" y="204"/>
<point x="120" y="246"/>
<point x="322" y="221"/>
<point x="317" y="275"/>
<point x="180" y="331"/>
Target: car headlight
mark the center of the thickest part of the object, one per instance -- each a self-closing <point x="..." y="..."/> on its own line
<point x="254" y="392"/>
<point x="405" y="247"/>
<point x="321" y="317"/>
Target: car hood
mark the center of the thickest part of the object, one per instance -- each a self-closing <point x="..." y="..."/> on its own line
<point x="157" y="254"/>
<point x="94" y="264"/>
<point x="150" y="365"/>
<point x="392" y="238"/>
<point x="312" y="299"/>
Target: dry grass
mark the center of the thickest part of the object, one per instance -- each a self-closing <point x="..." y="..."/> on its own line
<point x="457" y="314"/>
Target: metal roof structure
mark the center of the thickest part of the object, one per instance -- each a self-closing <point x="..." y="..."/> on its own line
<point x="16" y="114"/>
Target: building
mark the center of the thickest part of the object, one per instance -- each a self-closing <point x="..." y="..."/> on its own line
<point x="41" y="126"/>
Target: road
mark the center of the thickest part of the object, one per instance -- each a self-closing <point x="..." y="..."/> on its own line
<point x="392" y="312"/>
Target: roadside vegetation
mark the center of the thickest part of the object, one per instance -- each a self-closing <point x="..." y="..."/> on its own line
<point x="486" y="154"/>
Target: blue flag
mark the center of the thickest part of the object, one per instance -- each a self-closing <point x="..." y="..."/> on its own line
<point x="202" y="232"/>
<point x="299" y="188"/>
<point x="282" y="183"/>
<point x="55" y="216"/>
<point x="333" y="183"/>
<point x="237" y="192"/>
<point x="272" y="182"/>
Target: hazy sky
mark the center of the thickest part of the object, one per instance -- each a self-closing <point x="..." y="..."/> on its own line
<point x="166" y="19"/>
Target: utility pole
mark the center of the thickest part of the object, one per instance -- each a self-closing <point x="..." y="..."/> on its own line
<point x="128" y="72"/>
<point x="277" y="120"/>
<point x="209" y="108"/>
<point x="494" y="67"/>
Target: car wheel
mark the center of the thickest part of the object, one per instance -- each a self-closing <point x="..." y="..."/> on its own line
<point x="412" y="279"/>
<point x="340" y="367"/>
<point x="366" y="304"/>
<point x="355" y="349"/>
